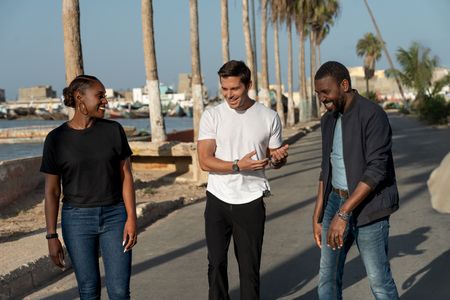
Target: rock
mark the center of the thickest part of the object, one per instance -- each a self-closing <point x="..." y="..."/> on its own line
<point x="439" y="187"/>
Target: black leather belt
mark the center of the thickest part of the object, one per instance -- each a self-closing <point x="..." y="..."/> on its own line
<point x="341" y="193"/>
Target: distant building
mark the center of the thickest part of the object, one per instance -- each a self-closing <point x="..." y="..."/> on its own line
<point x="167" y="95"/>
<point x="2" y="95"/>
<point x="386" y="88"/>
<point x="39" y="92"/>
<point x="184" y="84"/>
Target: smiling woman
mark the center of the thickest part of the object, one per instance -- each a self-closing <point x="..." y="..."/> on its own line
<point x="89" y="156"/>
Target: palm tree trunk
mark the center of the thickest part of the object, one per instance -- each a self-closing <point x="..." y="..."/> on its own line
<point x="264" y="87"/>
<point x="197" y="92"/>
<point x="73" y="55"/>
<point x="312" y="46"/>
<point x="255" y="60"/>
<point x="225" y="38"/>
<point x="276" y="50"/>
<point x="225" y="32"/>
<point x="303" y="105"/>
<point x="386" y="53"/>
<point x="318" y="55"/>
<point x="291" y="111"/>
<point x="151" y="71"/>
<point x="367" y="87"/>
<point x="248" y="48"/>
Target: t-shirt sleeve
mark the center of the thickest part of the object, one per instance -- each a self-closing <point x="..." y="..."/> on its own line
<point x="207" y="130"/>
<point x="276" y="139"/>
<point x="49" y="160"/>
<point x="124" y="148"/>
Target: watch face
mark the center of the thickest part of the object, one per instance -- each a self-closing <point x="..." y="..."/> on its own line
<point x="235" y="167"/>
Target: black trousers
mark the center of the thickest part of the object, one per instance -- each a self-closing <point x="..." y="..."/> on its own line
<point x="245" y="222"/>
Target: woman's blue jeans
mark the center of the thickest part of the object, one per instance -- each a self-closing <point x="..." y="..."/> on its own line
<point x="372" y="242"/>
<point x="88" y="231"/>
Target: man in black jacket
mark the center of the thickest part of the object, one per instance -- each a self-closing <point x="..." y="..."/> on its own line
<point x="357" y="187"/>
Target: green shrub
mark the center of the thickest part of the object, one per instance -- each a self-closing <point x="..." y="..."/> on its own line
<point x="391" y="105"/>
<point x="371" y="96"/>
<point x="434" y="110"/>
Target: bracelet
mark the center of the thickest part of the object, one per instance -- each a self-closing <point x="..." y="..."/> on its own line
<point x="344" y="216"/>
<point x="50" y="236"/>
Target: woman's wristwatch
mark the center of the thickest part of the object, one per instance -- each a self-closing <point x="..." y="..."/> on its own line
<point x="50" y="236"/>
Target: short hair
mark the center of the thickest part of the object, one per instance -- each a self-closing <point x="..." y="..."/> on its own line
<point x="236" y="68"/>
<point x="335" y="70"/>
<point x="80" y="84"/>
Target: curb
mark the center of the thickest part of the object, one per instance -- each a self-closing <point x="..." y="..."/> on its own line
<point x="38" y="273"/>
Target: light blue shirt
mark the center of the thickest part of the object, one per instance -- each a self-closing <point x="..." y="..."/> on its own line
<point x="338" y="174"/>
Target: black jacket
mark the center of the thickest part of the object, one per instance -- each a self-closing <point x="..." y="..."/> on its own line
<point x="367" y="142"/>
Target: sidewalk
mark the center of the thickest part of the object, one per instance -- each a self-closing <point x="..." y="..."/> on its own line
<point x="25" y="264"/>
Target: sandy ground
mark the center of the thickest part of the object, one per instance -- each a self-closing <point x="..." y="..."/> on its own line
<point x="26" y="216"/>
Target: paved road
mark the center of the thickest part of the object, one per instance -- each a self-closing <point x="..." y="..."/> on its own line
<point x="170" y="259"/>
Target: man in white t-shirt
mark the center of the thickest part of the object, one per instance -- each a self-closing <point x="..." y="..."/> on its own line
<point x="237" y="140"/>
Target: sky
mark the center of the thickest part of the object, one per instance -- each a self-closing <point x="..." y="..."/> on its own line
<point x="31" y="39"/>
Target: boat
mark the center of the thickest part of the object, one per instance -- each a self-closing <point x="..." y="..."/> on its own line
<point x="176" y="111"/>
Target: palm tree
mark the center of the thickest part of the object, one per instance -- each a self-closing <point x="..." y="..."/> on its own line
<point x="73" y="55"/>
<point x="417" y="69"/>
<point x="312" y="69"/>
<point x="151" y="71"/>
<point x="289" y="17"/>
<point x="225" y="38"/>
<point x="248" y="48"/>
<point x="291" y="109"/>
<point x="370" y="48"/>
<point x="225" y="31"/>
<point x="197" y="91"/>
<point x="264" y="95"/>
<point x="324" y="17"/>
<point x="319" y="14"/>
<point x="277" y="14"/>
<point x="383" y="44"/>
<point x="302" y="12"/>
<point x="253" y="36"/>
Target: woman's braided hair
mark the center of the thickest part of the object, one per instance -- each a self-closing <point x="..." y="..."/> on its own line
<point x="80" y="84"/>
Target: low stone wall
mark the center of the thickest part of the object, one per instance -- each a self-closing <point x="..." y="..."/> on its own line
<point x="177" y="157"/>
<point x="18" y="177"/>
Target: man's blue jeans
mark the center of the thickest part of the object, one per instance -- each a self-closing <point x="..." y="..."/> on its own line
<point x="372" y="242"/>
<point x="87" y="231"/>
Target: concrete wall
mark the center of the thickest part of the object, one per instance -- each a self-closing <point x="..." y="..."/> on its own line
<point x="36" y="92"/>
<point x="18" y="177"/>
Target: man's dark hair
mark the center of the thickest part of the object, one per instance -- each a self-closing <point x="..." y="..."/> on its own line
<point x="236" y="68"/>
<point x="334" y="69"/>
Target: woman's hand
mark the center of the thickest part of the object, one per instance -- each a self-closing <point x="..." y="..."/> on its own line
<point x="129" y="235"/>
<point x="56" y="252"/>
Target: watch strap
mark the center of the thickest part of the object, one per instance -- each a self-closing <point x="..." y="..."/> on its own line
<point x="51" y="236"/>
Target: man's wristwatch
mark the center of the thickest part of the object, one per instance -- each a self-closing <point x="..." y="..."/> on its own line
<point x="235" y="166"/>
<point x="50" y="236"/>
<point x="344" y="216"/>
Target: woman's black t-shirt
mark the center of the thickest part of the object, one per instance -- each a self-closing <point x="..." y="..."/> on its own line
<point x="88" y="162"/>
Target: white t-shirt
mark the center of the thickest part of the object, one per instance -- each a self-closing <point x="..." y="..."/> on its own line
<point x="238" y="133"/>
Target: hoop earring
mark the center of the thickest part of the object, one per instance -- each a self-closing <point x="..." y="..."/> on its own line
<point x="85" y="112"/>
